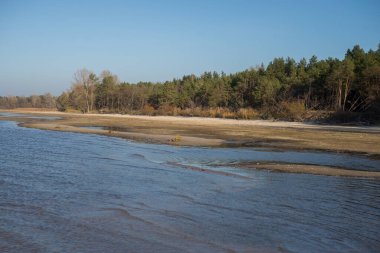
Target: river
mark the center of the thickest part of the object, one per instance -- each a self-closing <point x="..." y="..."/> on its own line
<point x="70" y="192"/>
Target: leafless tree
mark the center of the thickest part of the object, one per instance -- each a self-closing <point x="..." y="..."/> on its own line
<point x="85" y="84"/>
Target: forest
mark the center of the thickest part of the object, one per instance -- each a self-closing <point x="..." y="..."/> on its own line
<point x="313" y="89"/>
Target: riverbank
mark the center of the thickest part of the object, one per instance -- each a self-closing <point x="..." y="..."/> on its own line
<point x="309" y="169"/>
<point x="212" y="132"/>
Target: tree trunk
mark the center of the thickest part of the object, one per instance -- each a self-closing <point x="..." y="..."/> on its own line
<point x="346" y="89"/>
<point x="339" y="99"/>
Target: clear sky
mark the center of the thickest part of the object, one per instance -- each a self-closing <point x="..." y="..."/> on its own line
<point x="42" y="43"/>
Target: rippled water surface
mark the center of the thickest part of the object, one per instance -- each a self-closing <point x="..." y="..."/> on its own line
<point x="68" y="192"/>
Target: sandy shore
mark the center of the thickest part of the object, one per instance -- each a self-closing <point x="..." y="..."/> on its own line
<point x="310" y="169"/>
<point x="208" y="121"/>
<point x="143" y="137"/>
<point x="213" y="132"/>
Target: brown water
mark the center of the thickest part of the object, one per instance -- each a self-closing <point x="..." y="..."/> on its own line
<point x="69" y="192"/>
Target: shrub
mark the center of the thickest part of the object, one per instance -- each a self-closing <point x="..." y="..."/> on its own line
<point x="177" y="138"/>
<point x="247" y="113"/>
<point x="148" y="110"/>
<point x="167" y="110"/>
<point x="291" y="111"/>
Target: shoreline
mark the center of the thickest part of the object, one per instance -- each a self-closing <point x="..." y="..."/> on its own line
<point x="208" y="120"/>
<point x="308" y="169"/>
<point x="141" y="137"/>
<point x="321" y="170"/>
<point x="209" y="132"/>
<point x="212" y="132"/>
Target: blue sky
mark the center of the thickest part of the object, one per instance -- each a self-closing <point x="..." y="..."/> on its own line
<point x="42" y="43"/>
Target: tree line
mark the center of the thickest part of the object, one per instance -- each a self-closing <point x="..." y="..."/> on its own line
<point x="35" y="101"/>
<point x="284" y="89"/>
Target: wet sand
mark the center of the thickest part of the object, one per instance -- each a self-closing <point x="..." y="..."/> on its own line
<point x="309" y="169"/>
<point x="210" y="132"/>
<point x="171" y="139"/>
<point x="214" y="132"/>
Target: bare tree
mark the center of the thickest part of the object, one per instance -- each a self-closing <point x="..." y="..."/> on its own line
<point x="85" y="83"/>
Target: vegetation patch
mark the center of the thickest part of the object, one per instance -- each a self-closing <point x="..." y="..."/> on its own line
<point x="177" y="138"/>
